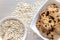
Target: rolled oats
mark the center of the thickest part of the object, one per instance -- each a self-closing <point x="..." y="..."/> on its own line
<point x="12" y="28"/>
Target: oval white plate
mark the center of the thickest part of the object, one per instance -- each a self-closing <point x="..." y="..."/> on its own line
<point x="33" y="24"/>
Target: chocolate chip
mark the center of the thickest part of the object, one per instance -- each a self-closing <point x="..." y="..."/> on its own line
<point x="51" y="26"/>
<point x="39" y="25"/>
<point x="53" y="4"/>
<point x="52" y="37"/>
<point x="47" y="13"/>
<point x="58" y="20"/>
<point x="43" y="31"/>
<point x="50" y="21"/>
<point x="43" y="13"/>
<point x="39" y="21"/>
<point x="48" y="32"/>
<point x="57" y="16"/>
<point x="45" y="25"/>
<point x="54" y="21"/>
<point x="52" y="17"/>
<point x="53" y="11"/>
<point x="52" y="29"/>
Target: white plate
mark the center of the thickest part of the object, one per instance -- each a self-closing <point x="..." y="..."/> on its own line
<point x="33" y="24"/>
<point x="13" y="17"/>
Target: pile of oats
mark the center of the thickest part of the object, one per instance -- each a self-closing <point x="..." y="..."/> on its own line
<point x="24" y="12"/>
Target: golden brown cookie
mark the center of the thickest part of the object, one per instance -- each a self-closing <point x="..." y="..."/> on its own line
<point x="47" y="20"/>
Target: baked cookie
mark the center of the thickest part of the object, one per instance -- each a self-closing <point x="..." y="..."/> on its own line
<point x="46" y="22"/>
